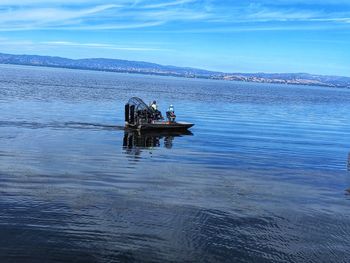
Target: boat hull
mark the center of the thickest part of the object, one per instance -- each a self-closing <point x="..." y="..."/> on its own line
<point x="164" y="126"/>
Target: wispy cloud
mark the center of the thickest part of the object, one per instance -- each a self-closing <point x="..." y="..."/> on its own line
<point x="92" y="15"/>
<point x="49" y="15"/>
<point x="100" y="45"/>
<point x="262" y="13"/>
<point x="62" y="43"/>
<point x="167" y="4"/>
<point x="132" y="14"/>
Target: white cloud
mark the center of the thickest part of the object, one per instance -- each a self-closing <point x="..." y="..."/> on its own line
<point x="130" y="14"/>
<point x="100" y="45"/>
<point x="26" y="3"/>
<point x="167" y="4"/>
<point x="86" y="15"/>
<point x="60" y="43"/>
<point x="47" y="15"/>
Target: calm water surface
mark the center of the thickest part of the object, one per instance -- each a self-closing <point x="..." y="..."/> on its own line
<point x="262" y="177"/>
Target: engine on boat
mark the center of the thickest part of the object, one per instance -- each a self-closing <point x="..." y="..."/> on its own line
<point x="138" y="112"/>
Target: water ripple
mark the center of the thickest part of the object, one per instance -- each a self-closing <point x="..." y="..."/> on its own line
<point x="263" y="176"/>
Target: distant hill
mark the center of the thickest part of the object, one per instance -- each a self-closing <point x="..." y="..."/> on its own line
<point x="118" y="65"/>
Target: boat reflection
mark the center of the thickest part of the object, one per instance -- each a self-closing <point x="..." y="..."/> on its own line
<point x="134" y="142"/>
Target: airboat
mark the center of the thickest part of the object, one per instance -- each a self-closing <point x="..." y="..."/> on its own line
<point x="139" y="116"/>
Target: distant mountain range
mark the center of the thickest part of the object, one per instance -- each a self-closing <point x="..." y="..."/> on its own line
<point x="117" y="65"/>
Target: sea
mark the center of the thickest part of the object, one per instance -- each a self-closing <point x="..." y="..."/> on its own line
<point x="263" y="176"/>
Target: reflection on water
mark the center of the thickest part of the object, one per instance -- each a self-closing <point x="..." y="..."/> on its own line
<point x="135" y="141"/>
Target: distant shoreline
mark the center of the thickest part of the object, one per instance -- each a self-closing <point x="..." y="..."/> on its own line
<point x="146" y="68"/>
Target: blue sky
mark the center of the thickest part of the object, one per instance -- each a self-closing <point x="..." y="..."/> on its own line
<point x="232" y="36"/>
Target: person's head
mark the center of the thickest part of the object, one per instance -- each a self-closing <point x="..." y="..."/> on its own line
<point x="154" y="102"/>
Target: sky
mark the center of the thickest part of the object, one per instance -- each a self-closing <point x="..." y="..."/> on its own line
<point x="230" y="36"/>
